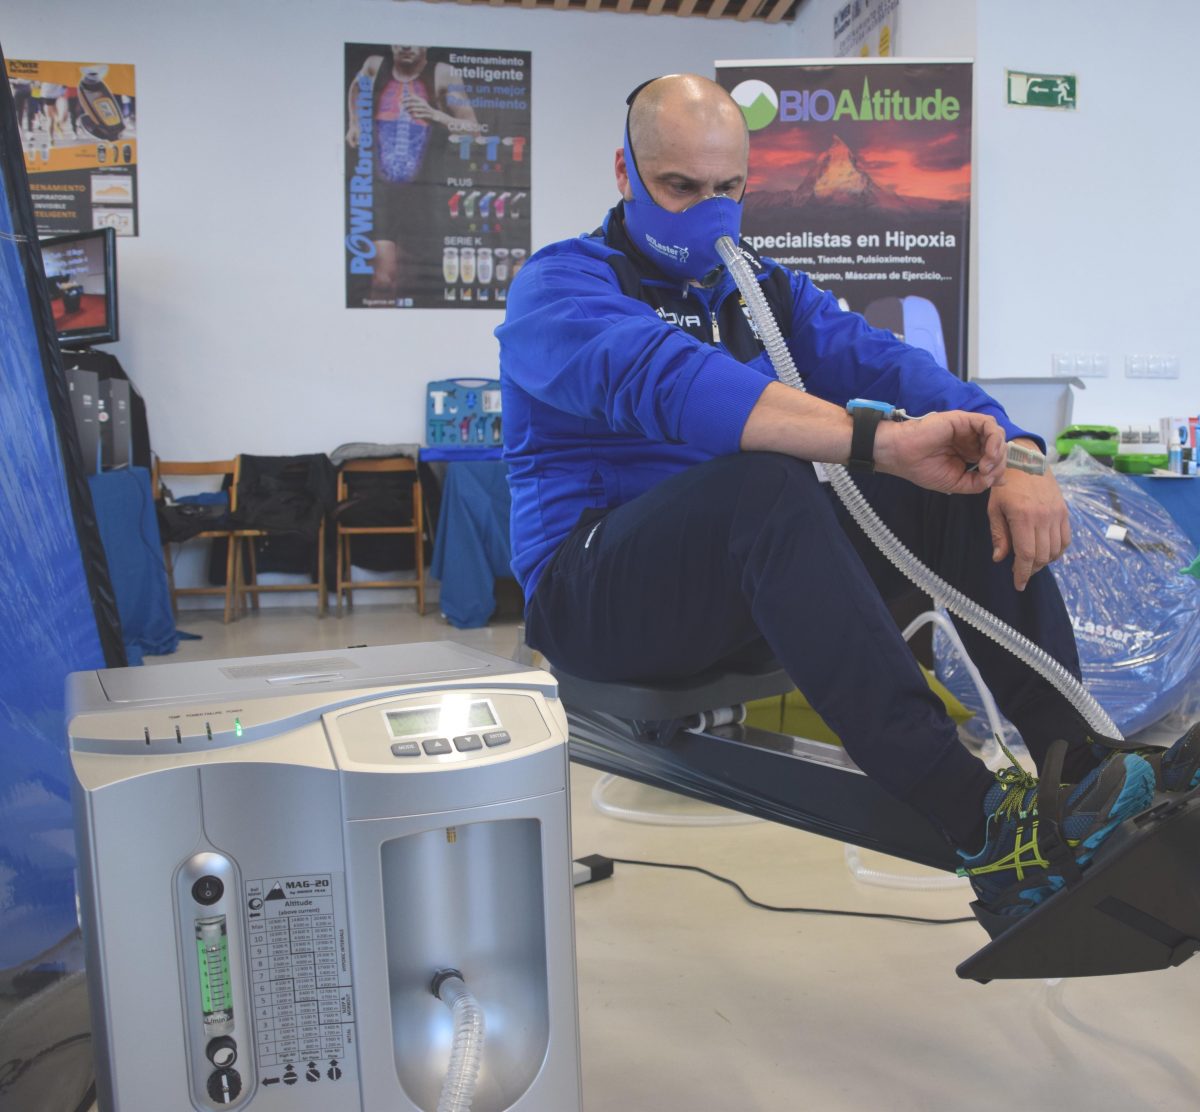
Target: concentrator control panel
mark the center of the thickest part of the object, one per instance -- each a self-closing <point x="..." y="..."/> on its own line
<point x="432" y="730"/>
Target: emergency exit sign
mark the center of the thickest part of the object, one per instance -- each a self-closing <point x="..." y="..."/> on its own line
<point x="1042" y="90"/>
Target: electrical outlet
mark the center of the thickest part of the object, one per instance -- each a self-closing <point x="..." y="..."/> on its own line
<point x="1081" y="364"/>
<point x="1151" y="366"/>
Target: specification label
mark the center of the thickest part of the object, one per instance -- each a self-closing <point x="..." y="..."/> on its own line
<point x="300" y="970"/>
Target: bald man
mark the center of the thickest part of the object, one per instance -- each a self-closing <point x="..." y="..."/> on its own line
<point x="666" y="516"/>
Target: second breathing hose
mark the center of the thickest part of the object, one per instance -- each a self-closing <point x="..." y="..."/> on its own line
<point x="943" y="593"/>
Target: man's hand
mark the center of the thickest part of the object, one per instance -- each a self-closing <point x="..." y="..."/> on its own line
<point x="955" y="452"/>
<point x="1029" y="519"/>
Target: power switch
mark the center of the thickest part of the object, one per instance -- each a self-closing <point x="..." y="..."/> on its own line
<point x="207" y="890"/>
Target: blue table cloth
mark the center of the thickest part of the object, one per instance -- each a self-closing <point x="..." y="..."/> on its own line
<point x="466" y="452"/>
<point x="1180" y="498"/>
<point x="129" y="532"/>
<point x="472" y="547"/>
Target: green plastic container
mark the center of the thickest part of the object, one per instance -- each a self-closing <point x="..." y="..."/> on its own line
<point x="1139" y="463"/>
<point x="1101" y="441"/>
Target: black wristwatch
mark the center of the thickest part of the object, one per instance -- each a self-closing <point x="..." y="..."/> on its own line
<point x="866" y="415"/>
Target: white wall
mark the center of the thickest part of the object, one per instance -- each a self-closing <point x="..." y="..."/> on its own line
<point x="232" y="296"/>
<point x="927" y="28"/>
<point x="1087" y="219"/>
<point x="232" y="317"/>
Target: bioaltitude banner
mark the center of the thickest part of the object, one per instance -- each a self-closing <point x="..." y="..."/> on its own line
<point x="860" y="175"/>
<point x="77" y="125"/>
<point x="437" y="175"/>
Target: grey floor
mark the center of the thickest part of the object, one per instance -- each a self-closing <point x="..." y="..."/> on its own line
<point x="692" y="1000"/>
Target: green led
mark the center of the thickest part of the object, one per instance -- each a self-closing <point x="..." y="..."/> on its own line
<point x="237" y="727"/>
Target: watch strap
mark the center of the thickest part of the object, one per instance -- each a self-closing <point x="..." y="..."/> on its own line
<point x="862" y="438"/>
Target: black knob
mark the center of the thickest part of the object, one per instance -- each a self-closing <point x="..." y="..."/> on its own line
<point x="207" y="890"/>
<point x="222" y="1052"/>
<point x="224" y="1086"/>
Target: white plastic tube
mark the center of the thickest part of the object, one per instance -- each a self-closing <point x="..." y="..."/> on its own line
<point x="915" y="882"/>
<point x="885" y="540"/>
<point x="864" y="874"/>
<point x="466" y="1052"/>
<point x="939" y="619"/>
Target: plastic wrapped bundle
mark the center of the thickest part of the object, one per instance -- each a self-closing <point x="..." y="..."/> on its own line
<point x="1136" y="615"/>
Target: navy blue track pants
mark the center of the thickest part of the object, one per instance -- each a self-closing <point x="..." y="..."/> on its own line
<point x="752" y="547"/>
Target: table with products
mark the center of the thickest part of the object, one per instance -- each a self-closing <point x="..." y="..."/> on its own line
<point x="1180" y="497"/>
<point x="471" y="547"/>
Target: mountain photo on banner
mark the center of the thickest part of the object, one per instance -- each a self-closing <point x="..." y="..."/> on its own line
<point x="860" y="176"/>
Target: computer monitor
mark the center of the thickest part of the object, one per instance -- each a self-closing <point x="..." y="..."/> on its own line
<point x="81" y="275"/>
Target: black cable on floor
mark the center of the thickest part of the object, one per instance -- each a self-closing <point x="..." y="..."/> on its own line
<point x="791" y="910"/>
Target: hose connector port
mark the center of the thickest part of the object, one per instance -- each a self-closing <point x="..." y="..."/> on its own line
<point x="440" y="978"/>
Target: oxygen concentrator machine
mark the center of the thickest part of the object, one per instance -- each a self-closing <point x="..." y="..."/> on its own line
<point x="284" y="860"/>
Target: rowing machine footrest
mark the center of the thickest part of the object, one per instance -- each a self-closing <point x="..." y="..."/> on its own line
<point x="1136" y="908"/>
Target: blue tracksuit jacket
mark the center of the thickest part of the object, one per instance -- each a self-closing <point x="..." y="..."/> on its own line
<point x="607" y="393"/>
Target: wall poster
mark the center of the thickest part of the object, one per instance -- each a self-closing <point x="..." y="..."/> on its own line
<point x="437" y="149"/>
<point x="78" y="127"/>
<point x="866" y="28"/>
<point x="860" y="175"/>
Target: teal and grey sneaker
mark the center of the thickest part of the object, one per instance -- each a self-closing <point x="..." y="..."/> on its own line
<point x="1176" y="769"/>
<point x="1032" y="851"/>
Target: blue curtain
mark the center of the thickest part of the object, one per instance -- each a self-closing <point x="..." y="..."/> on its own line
<point x="56" y="616"/>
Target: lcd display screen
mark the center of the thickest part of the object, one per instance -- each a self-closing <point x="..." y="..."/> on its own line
<point x="448" y="720"/>
<point x="81" y="278"/>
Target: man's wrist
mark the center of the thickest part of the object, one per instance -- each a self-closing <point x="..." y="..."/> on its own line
<point x="885" y="445"/>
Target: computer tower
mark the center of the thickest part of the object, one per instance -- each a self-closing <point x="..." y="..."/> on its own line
<point x="116" y="443"/>
<point x="107" y="367"/>
<point x="84" y="390"/>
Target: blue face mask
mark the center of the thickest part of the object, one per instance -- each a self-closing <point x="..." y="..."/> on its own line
<point x="680" y="244"/>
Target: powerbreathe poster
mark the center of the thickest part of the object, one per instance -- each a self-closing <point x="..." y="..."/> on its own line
<point x="437" y="148"/>
<point x="78" y="127"/>
<point x="860" y="176"/>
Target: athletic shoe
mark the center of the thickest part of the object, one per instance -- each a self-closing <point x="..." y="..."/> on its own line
<point x="1013" y="873"/>
<point x="1176" y="769"/>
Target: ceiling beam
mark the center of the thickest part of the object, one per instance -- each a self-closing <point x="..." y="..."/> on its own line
<point x="766" y="11"/>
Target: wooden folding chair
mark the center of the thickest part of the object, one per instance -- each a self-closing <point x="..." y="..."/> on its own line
<point x="248" y="585"/>
<point x="218" y="469"/>
<point x="414" y="527"/>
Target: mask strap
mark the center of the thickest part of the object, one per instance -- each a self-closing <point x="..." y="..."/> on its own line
<point x="640" y="192"/>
